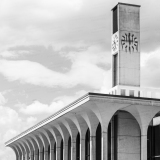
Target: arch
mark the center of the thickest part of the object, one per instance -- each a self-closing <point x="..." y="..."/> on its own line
<point x="27" y="150"/>
<point x="33" y="146"/>
<point x="69" y="148"/>
<point x="87" y="145"/>
<point x="78" y="147"/>
<point x="23" y="150"/>
<point x="15" y="151"/>
<point x="39" y="143"/>
<point x="98" y="142"/>
<point x="19" y="151"/>
<point x="51" y="140"/>
<point x="45" y="142"/>
<point x="124" y="136"/>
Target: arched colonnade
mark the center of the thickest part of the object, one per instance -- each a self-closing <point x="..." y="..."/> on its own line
<point x="101" y="128"/>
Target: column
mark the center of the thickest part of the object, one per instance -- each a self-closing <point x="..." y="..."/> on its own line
<point x="58" y="152"/>
<point x="46" y="154"/>
<point x="36" y="156"/>
<point x="82" y="149"/>
<point x="41" y="155"/>
<point x="66" y="152"/>
<point x="52" y="154"/>
<point x="104" y="146"/>
<point x="92" y="147"/>
<point x="143" y="147"/>
<point x="27" y="156"/>
<point x="73" y="149"/>
<point x="32" y="156"/>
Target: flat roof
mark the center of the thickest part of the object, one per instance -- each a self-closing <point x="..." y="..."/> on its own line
<point x="79" y="102"/>
<point x="127" y="4"/>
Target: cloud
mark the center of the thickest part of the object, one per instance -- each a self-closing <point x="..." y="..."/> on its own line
<point x="150" y="69"/>
<point x="85" y="66"/>
<point x="2" y="99"/>
<point x="38" y="108"/>
<point x="11" y="124"/>
<point x="13" y="54"/>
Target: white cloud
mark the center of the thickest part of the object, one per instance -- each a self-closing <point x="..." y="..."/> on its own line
<point x="38" y="108"/>
<point x="11" y="124"/>
<point x="150" y="69"/>
<point x="13" y="54"/>
<point x="85" y="70"/>
<point x="107" y="82"/>
<point x="2" y="99"/>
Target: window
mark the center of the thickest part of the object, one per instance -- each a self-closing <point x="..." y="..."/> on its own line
<point x="123" y="92"/>
<point x="131" y="93"/>
<point x="115" y="21"/>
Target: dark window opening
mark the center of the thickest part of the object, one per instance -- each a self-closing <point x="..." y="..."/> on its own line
<point x="131" y="93"/>
<point x="123" y="92"/>
<point x="115" y="70"/>
<point x="78" y="147"/>
<point x="112" y="138"/>
<point x="115" y="136"/>
<point x="98" y="142"/>
<point x="49" y="152"/>
<point x="109" y="141"/>
<point x="87" y="145"/>
<point x="43" y="153"/>
<point x="153" y="142"/>
<point x="38" y="154"/>
<point x="69" y="148"/>
<point x="55" y="151"/>
<point x="115" y="20"/>
<point x="61" y="152"/>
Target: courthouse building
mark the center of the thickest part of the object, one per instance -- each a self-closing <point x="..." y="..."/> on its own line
<point x="121" y="125"/>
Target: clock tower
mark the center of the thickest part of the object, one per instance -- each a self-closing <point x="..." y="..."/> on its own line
<point x="126" y="45"/>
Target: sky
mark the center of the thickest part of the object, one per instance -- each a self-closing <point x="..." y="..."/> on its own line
<point x="55" y="51"/>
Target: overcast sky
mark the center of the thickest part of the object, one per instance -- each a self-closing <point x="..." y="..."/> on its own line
<point x="54" y="51"/>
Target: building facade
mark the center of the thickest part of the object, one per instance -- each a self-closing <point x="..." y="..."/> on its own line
<point x="123" y="124"/>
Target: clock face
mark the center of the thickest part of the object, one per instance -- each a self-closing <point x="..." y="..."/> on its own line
<point x="129" y="42"/>
<point x="115" y="43"/>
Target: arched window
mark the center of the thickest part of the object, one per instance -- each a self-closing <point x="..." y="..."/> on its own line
<point x="69" y="148"/>
<point x="87" y="145"/>
<point x="48" y="152"/>
<point x="98" y="142"/>
<point x="78" y="147"/>
<point x="55" y="151"/>
<point x="61" y="153"/>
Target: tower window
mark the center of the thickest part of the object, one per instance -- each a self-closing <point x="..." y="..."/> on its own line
<point x="115" y="20"/>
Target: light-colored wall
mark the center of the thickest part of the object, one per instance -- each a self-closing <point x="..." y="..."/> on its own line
<point x="128" y="138"/>
<point x="129" y="62"/>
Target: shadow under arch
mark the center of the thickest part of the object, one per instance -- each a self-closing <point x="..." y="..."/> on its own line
<point x="153" y="138"/>
<point x="124" y="137"/>
<point x="98" y="142"/>
<point x="87" y="145"/>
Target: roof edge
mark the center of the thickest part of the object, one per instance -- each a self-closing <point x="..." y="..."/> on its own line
<point x="48" y="119"/>
<point x="127" y="4"/>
